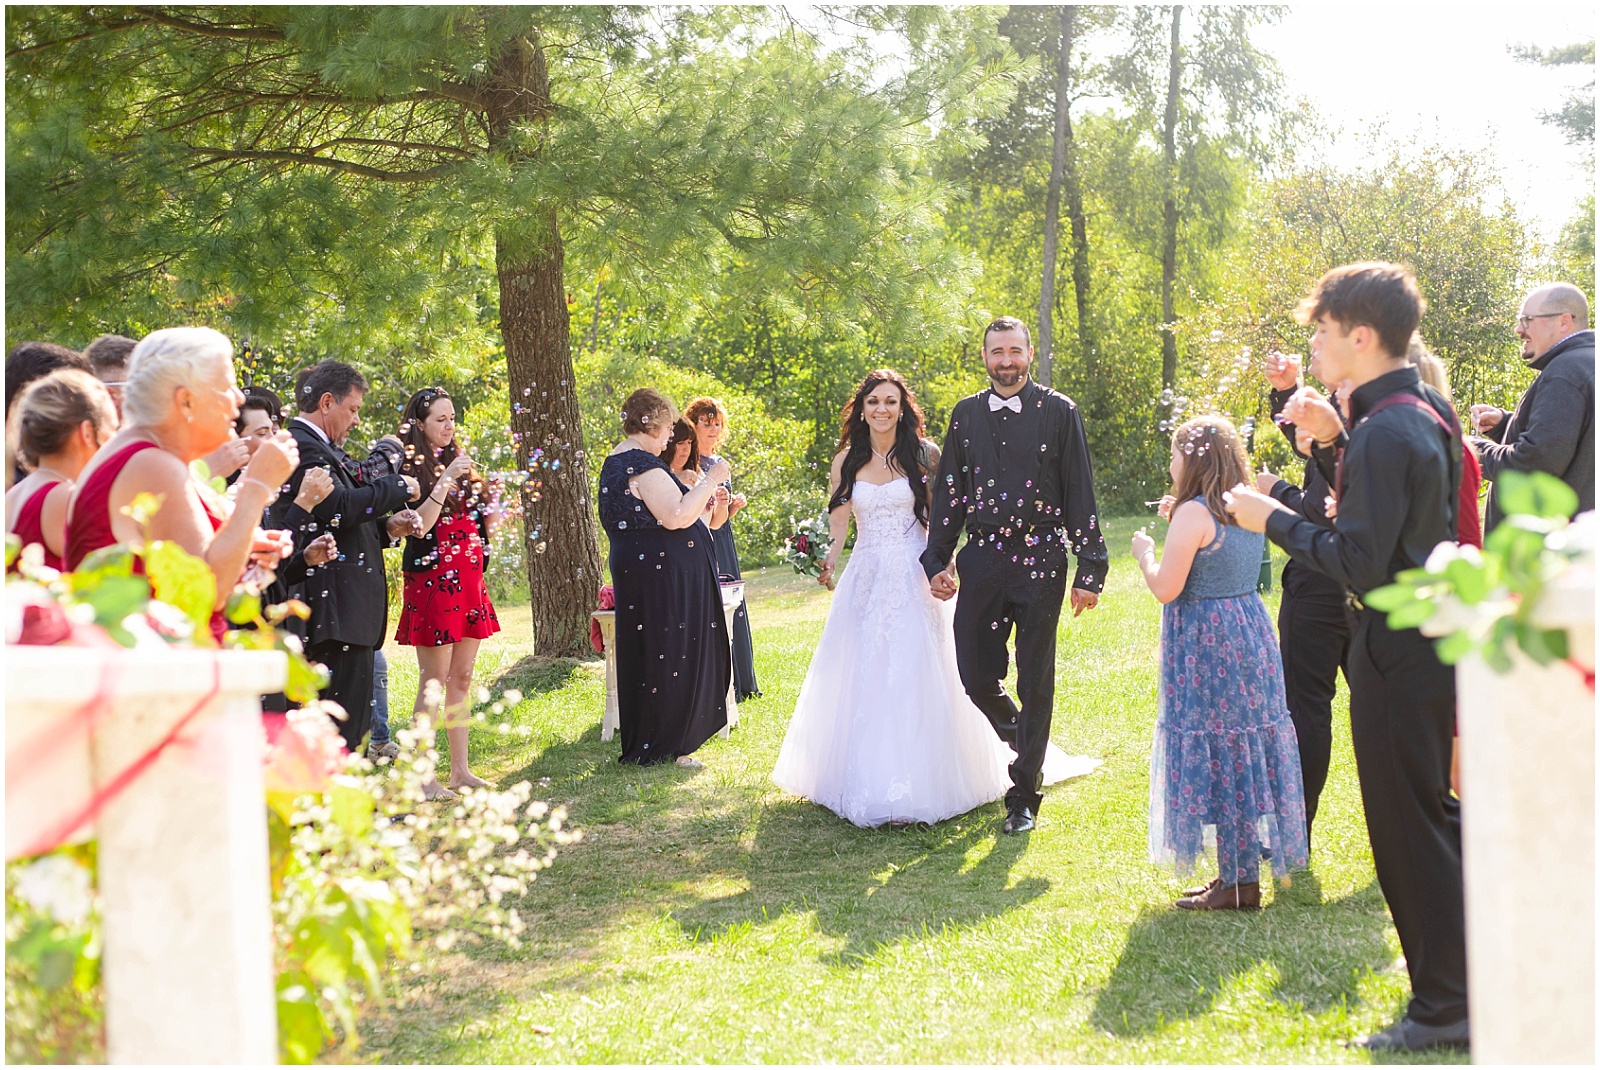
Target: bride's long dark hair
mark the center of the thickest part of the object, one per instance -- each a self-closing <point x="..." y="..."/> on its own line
<point x="855" y="438"/>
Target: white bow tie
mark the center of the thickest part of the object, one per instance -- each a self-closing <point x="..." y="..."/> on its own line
<point x="1014" y="403"/>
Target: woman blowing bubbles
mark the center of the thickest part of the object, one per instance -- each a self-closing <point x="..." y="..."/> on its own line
<point x="446" y="610"/>
<point x="673" y="657"/>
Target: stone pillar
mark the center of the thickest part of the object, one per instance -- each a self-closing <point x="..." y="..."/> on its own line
<point x="183" y="879"/>
<point x="1528" y="848"/>
<point x="607" y="619"/>
<point x="732" y="597"/>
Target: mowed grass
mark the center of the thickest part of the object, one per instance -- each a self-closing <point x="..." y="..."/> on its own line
<point x="708" y="917"/>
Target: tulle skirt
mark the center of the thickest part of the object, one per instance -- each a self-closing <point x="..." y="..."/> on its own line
<point x="1225" y="765"/>
<point x="883" y="730"/>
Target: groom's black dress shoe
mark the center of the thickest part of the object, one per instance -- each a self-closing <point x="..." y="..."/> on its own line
<point x="1407" y="1035"/>
<point x="1018" y="819"/>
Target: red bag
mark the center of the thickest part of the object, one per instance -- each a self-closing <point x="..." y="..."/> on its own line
<point x="1469" y="526"/>
<point x="608" y="600"/>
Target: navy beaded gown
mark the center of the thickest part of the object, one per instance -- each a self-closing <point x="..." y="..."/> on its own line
<point x="673" y="657"/>
<point x="744" y="654"/>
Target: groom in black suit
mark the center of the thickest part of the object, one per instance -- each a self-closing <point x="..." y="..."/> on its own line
<point x="348" y="596"/>
<point x="1015" y="472"/>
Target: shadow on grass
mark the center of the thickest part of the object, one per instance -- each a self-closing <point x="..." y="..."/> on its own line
<point x="866" y="888"/>
<point x="1176" y="964"/>
<point x="539" y="676"/>
<point x="871" y="887"/>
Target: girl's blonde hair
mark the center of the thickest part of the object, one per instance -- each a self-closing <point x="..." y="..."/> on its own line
<point x="1214" y="461"/>
<point x="1429" y="367"/>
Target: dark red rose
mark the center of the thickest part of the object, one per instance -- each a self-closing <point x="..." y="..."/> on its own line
<point x="802" y="544"/>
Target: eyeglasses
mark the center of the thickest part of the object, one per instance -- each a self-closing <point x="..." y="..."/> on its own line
<point x="1523" y="321"/>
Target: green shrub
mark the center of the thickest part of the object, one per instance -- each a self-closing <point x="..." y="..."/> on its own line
<point x="767" y="452"/>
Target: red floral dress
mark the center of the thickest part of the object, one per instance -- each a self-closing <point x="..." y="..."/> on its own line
<point x="448" y="600"/>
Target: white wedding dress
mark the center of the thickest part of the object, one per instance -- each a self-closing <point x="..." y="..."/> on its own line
<point x="884" y="731"/>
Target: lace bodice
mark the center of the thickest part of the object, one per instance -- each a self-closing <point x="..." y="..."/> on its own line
<point x="620" y="509"/>
<point x="883" y="514"/>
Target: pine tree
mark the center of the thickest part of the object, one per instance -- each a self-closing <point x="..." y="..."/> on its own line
<point x="396" y="181"/>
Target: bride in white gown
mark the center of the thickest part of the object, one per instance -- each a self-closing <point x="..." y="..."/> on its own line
<point x="883" y="731"/>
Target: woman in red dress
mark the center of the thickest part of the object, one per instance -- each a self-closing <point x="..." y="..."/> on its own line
<point x="61" y="421"/>
<point x="445" y="610"/>
<point x="178" y="405"/>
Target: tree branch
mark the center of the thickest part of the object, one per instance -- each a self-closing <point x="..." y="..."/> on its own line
<point x="332" y="163"/>
<point x="206" y="29"/>
<point x="96" y="32"/>
<point x="402" y="146"/>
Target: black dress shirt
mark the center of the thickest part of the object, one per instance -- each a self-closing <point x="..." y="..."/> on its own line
<point x="1310" y="501"/>
<point x="1398" y="500"/>
<point x="1018" y="480"/>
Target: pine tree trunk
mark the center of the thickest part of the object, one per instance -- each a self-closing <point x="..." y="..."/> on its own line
<point x="561" y="550"/>
<point x="1072" y="191"/>
<point x="1044" y="362"/>
<point x="1169" y="220"/>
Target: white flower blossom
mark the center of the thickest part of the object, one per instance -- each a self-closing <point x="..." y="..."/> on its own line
<point x="57" y="886"/>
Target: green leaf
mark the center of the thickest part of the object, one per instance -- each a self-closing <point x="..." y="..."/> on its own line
<point x="13" y="550"/>
<point x="302" y="1029"/>
<point x="1453" y="647"/>
<point x="250" y="639"/>
<point x="56" y="968"/>
<point x="1390" y="598"/>
<point x="144" y="506"/>
<point x="1471" y="581"/>
<point x="305" y="678"/>
<point x="1495" y="650"/>
<point x="280" y="852"/>
<point x="1535" y="494"/>
<point x="352" y="809"/>
<point x="29" y="948"/>
<point x="244" y="606"/>
<point x="183" y="581"/>
<point x="1409" y="615"/>
<point x="106" y="562"/>
<point x="113" y="599"/>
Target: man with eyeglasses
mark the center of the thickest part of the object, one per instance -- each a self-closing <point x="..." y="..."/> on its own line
<point x="1552" y="429"/>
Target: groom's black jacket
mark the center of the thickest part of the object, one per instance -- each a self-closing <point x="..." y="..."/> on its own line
<point x="1018" y="479"/>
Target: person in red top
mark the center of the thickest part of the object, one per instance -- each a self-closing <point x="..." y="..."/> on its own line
<point x="179" y="404"/>
<point x="61" y="420"/>
<point x="446" y="611"/>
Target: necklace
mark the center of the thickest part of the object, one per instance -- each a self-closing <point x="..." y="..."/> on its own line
<point x="60" y="477"/>
<point x="884" y="456"/>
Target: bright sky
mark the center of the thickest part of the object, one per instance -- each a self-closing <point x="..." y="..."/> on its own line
<point x="1443" y="72"/>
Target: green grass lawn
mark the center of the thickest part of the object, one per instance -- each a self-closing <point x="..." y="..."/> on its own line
<point x="708" y="917"/>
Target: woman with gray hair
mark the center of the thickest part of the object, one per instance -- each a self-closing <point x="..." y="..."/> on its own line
<point x="179" y="404"/>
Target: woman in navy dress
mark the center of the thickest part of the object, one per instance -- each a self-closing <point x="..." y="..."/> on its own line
<point x="673" y="660"/>
<point x="710" y="423"/>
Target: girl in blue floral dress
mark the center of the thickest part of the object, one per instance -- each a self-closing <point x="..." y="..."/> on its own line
<point x="1225" y="761"/>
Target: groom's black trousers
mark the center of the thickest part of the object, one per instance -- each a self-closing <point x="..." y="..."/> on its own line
<point x="1402" y="715"/>
<point x="1001" y="590"/>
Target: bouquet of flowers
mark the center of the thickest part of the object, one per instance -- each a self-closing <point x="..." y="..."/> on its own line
<point x="809" y="544"/>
